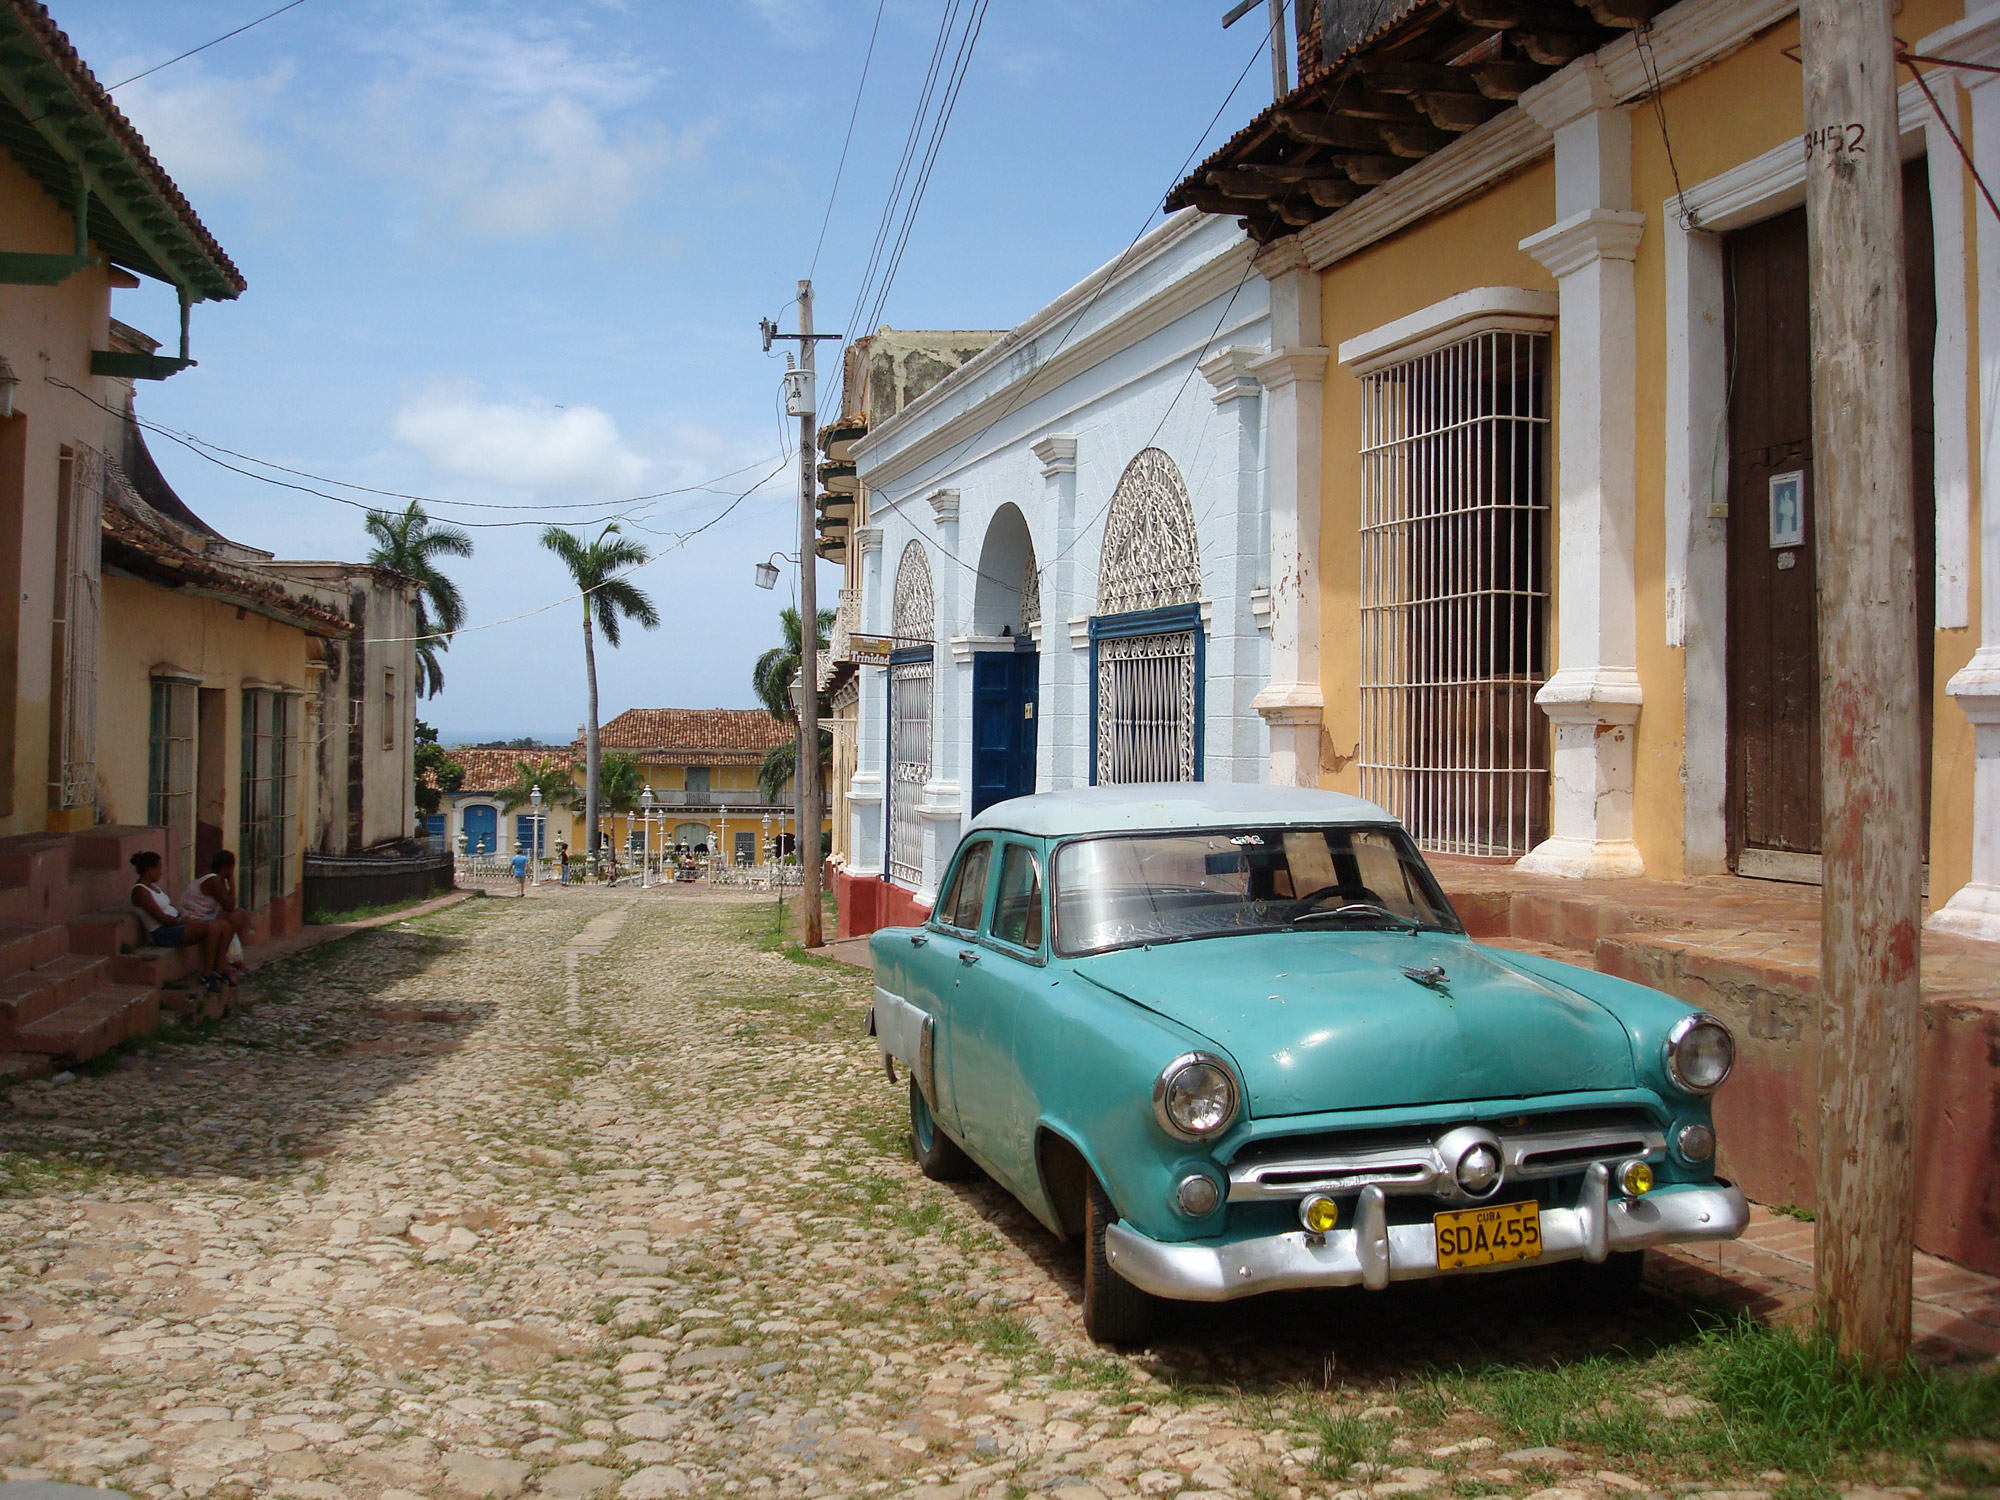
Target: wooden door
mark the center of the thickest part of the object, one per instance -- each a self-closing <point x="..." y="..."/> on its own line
<point x="1773" y="627"/>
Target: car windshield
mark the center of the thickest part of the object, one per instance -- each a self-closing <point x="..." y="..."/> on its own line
<point x="1118" y="891"/>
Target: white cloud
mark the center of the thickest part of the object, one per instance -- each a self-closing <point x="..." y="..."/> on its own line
<point x="210" y="133"/>
<point x="517" y="443"/>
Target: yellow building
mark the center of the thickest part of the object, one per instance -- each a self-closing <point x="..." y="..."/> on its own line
<point x="1541" y="489"/>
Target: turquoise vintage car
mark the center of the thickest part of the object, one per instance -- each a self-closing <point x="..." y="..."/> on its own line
<point x="1236" y="1039"/>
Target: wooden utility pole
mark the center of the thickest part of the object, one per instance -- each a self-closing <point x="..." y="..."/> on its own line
<point x="1871" y="741"/>
<point x="1281" y="72"/>
<point x="807" y="759"/>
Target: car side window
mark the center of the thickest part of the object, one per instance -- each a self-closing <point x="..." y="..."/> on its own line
<point x="1017" y="910"/>
<point x="965" y="896"/>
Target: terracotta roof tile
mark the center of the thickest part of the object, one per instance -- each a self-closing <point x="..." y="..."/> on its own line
<point x="490" y="770"/>
<point x="704" y="732"/>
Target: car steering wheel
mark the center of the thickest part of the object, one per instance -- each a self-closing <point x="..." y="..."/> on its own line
<point x="1304" y="905"/>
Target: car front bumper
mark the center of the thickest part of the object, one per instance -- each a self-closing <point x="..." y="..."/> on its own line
<point x="1374" y="1252"/>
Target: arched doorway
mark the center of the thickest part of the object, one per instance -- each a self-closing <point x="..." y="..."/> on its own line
<point x="914" y="626"/>
<point x="1006" y="681"/>
<point x="1146" y="645"/>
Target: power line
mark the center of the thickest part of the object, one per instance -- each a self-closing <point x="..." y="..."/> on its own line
<point x="198" y="444"/>
<point x="848" y="140"/>
<point x="216" y="42"/>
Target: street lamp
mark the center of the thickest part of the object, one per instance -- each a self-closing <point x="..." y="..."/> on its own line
<point x="767" y="570"/>
<point x="645" y="837"/>
<point x="535" y="865"/>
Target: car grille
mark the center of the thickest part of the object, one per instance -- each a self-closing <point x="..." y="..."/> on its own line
<point x="1533" y="1147"/>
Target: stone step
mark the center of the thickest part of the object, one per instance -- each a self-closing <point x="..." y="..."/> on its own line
<point x="23" y="948"/>
<point x="155" y="966"/>
<point x="107" y="930"/>
<point x="193" y="1003"/>
<point x="41" y="991"/>
<point x="96" y="1023"/>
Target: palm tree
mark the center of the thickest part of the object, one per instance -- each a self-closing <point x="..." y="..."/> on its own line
<point x="550" y="777"/>
<point x="406" y="542"/>
<point x="771" y="679"/>
<point x="597" y="568"/>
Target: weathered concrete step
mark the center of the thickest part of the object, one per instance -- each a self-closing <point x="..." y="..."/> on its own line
<point x="193" y="1003"/>
<point x="108" y="930"/>
<point x="155" y="965"/>
<point x="96" y="1023"/>
<point x="47" y="988"/>
<point x="24" y="947"/>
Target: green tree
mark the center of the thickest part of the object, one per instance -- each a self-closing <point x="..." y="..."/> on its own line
<point x="771" y="679"/>
<point x="777" y="669"/>
<point x="551" y="778"/>
<point x="436" y="772"/>
<point x="406" y="542"/>
<point x="621" y="781"/>
<point x="609" y="598"/>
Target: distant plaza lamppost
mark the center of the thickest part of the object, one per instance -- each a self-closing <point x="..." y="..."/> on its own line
<point x="535" y="817"/>
<point x="646" y="837"/>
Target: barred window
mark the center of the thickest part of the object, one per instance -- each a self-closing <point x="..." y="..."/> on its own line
<point x="1146" y="638"/>
<point x="268" y="796"/>
<point x="914" y="625"/>
<point x="1454" y="593"/>
<point x="170" y="774"/>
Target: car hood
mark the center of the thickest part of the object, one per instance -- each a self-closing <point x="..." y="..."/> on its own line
<point x="1329" y="1021"/>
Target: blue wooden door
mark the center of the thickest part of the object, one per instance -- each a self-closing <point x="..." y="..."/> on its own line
<point x="1005" y="688"/>
<point x="482" y="830"/>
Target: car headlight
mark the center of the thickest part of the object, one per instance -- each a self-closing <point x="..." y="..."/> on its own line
<point x="1195" y="1096"/>
<point x="1700" y="1053"/>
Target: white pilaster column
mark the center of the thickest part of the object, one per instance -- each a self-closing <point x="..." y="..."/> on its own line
<point x="1236" y="670"/>
<point x="1059" y="760"/>
<point x="1593" y="697"/>
<point x="864" y="788"/>
<point x="1974" y="909"/>
<point x="951" y="705"/>
<point x="1293" y="374"/>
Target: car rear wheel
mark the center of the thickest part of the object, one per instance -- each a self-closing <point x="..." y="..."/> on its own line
<point x="937" y="1154"/>
<point x="1114" y="1311"/>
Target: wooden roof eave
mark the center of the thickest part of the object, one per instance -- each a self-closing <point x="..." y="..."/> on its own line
<point x="1432" y="73"/>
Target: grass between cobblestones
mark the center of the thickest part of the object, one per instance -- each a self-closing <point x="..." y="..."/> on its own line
<point x="611" y="1193"/>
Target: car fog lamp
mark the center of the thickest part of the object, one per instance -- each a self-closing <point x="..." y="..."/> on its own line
<point x="1195" y="1097"/>
<point x="1478" y="1170"/>
<point x="1700" y="1053"/>
<point x="1696" y="1143"/>
<point x="1635" y="1179"/>
<point x="1319" y="1213"/>
<point x="1197" y="1195"/>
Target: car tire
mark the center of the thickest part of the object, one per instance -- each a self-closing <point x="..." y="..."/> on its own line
<point x="1115" y="1312"/>
<point x="1614" y="1283"/>
<point x="937" y="1155"/>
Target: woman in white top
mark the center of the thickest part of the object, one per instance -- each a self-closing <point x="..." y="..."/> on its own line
<point x="163" y="926"/>
<point x="212" y="898"/>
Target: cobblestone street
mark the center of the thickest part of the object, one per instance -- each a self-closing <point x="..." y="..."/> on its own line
<point x="594" y="1194"/>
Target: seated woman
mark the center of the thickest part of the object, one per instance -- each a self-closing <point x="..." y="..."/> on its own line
<point x="164" y="927"/>
<point x="212" y="898"/>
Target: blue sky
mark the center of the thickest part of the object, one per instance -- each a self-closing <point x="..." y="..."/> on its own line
<point x="516" y="253"/>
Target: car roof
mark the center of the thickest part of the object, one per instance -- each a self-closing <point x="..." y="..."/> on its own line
<point x="1172" y="805"/>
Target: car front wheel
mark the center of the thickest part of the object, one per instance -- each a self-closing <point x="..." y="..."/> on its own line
<point x="1114" y="1311"/>
<point x="937" y="1154"/>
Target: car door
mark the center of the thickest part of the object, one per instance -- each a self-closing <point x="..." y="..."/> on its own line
<point x="952" y="932"/>
<point x="998" y="991"/>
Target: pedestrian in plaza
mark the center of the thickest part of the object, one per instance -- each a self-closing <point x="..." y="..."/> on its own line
<point x="162" y="925"/>
<point x="562" y="854"/>
<point x="212" y="898"/>
<point x="520" y="872"/>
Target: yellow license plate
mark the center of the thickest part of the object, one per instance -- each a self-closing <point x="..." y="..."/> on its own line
<point x="1488" y="1236"/>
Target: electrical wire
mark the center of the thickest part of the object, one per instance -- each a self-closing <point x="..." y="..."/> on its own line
<point x="292" y="5"/>
<point x="848" y="140"/>
<point x="197" y="444"/>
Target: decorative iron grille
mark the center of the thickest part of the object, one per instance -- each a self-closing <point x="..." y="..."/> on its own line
<point x="1454" y="593"/>
<point x="1031" y="590"/>
<point x="914" y="626"/>
<point x="170" y="773"/>
<point x="910" y="734"/>
<point x="73" y="731"/>
<point x="1146" y="639"/>
<point x="1145" y="707"/>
